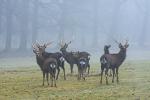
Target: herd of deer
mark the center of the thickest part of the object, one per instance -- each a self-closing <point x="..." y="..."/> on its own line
<point x="50" y="63"/>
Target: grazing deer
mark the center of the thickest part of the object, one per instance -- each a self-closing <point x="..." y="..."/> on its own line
<point x="47" y="66"/>
<point x="58" y="56"/>
<point x="113" y="61"/>
<point x="72" y="57"/>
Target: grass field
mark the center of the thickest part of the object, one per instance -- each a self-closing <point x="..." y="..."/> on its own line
<point x="25" y="83"/>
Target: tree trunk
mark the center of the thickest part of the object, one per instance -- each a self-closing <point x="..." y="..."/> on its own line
<point x="143" y="35"/>
<point x="9" y="23"/>
<point x="83" y="45"/>
<point x="35" y="21"/>
<point x="95" y="24"/>
<point x="1" y="17"/>
<point x="62" y="20"/>
<point x="24" y="25"/>
<point x="113" y="28"/>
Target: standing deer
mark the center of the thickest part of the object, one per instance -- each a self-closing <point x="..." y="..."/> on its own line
<point x="46" y="65"/>
<point x="113" y="61"/>
<point x="50" y="66"/>
<point x="86" y="56"/>
<point x="72" y="57"/>
<point x="106" y="51"/>
<point x="58" y="56"/>
<point x="82" y="66"/>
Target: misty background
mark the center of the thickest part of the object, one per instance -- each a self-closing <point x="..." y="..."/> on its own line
<point x="89" y="24"/>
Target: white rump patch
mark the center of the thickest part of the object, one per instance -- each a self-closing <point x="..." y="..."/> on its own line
<point x="52" y="65"/>
<point x="62" y="59"/>
<point x="82" y="62"/>
<point x="103" y="61"/>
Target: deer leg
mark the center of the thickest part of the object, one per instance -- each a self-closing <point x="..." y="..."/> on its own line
<point x="51" y="80"/>
<point x="113" y="75"/>
<point x="55" y="82"/>
<point x="102" y="70"/>
<point x="117" y="75"/>
<point x="55" y="79"/>
<point x="84" y="71"/>
<point x="106" y="74"/>
<point x="71" y="66"/>
<point x="43" y="78"/>
<point x="78" y="73"/>
<point x="64" y="71"/>
<point x="58" y="69"/>
<point x="110" y="74"/>
<point x="88" y="69"/>
<point x="47" y="78"/>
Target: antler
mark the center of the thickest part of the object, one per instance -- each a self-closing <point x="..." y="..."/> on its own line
<point x="69" y="43"/>
<point x="61" y="43"/>
<point x="47" y="44"/>
<point x="116" y="41"/>
<point x="126" y="42"/>
<point x="37" y="44"/>
<point x="33" y="46"/>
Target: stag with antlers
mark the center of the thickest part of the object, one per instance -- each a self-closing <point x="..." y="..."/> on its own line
<point x="113" y="61"/>
<point x="58" y="56"/>
<point x="73" y="57"/>
<point x="47" y="65"/>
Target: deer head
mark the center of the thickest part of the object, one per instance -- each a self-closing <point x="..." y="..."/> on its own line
<point x="35" y="49"/>
<point x="123" y="47"/>
<point x="107" y="47"/>
<point x="39" y="49"/>
<point x="65" y="46"/>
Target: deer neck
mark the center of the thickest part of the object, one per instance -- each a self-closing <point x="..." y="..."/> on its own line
<point x="106" y="52"/>
<point x="64" y="53"/>
<point x="45" y="55"/>
<point x="40" y="61"/>
<point x="122" y="55"/>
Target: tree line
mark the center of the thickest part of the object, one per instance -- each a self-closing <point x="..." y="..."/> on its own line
<point x="25" y="20"/>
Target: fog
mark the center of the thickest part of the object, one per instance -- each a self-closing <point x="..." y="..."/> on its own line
<point x="89" y="24"/>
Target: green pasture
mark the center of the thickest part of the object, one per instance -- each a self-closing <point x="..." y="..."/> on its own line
<point x="24" y="82"/>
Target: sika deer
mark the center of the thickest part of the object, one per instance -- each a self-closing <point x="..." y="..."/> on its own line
<point x="113" y="61"/>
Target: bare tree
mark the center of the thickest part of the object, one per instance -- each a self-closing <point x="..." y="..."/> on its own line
<point x="115" y="17"/>
<point x="1" y="7"/>
<point x="145" y="12"/>
<point x="24" y="24"/>
<point x="61" y="22"/>
<point x="35" y="20"/>
<point x="95" y="24"/>
<point x="9" y="24"/>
